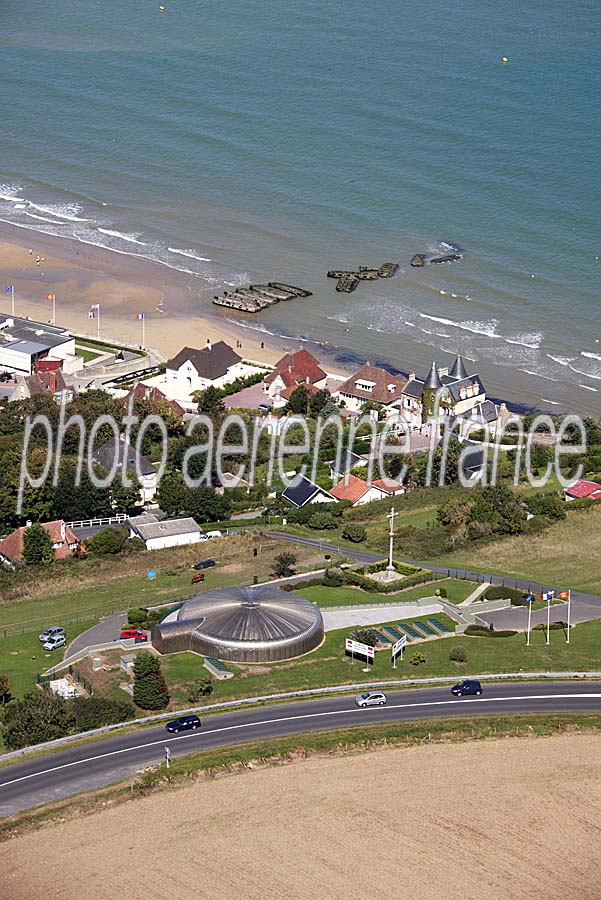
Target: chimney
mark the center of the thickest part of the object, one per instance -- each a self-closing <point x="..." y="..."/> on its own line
<point x="411" y="377"/>
<point x="209" y="344"/>
<point x="63" y="531"/>
<point x="306" y="379"/>
<point x="28" y="523"/>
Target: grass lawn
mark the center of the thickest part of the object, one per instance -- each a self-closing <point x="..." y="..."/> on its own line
<point x="329" y="666"/>
<point x="566" y="554"/>
<point x="22" y="657"/>
<point x="457" y="591"/>
<point x="87" y="355"/>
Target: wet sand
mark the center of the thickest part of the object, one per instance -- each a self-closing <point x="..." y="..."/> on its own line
<point x="513" y="819"/>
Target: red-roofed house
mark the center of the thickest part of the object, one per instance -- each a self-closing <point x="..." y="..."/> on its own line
<point x="357" y="491"/>
<point x="390" y="487"/>
<point x="590" y="490"/>
<point x="153" y="395"/>
<point x="289" y="372"/>
<point x="370" y="383"/>
<point x="64" y="541"/>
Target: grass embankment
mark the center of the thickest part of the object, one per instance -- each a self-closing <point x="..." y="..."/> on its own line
<point x="277" y="751"/>
<point x="566" y="554"/>
<point x="86" y="355"/>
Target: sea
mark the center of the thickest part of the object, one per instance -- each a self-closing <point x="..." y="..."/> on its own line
<point x="246" y="140"/>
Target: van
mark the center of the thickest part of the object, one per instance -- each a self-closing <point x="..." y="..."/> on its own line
<point x="214" y="534"/>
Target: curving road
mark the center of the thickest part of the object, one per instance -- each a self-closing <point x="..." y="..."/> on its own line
<point x="24" y="785"/>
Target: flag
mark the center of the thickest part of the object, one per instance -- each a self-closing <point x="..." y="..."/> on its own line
<point x="528" y="599"/>
<point x="51" y="297"/>
<point x="91" y="314"/>
<point x="139" y="316"/>
<point x="564" y="595"/>
<point x="95" y="306"/>
<point x="9" y="287"/>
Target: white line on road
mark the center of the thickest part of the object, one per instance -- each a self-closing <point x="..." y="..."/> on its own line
<point x="337" y="712"/>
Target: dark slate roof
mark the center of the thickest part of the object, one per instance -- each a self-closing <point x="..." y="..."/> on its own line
<point x="301" y="491"/>
<point x="210" y="363"/>
<point x="433" y="379"/>
<point x="458" y="371"/>
<point x="454" y="387"/>
<point x="474" y="461"/>
<point x="348" y="461"/>
<point x="105" y="456"/>
<point x="414" y="388"/>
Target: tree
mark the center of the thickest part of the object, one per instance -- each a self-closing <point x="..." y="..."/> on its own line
<point x="202" y="687"/>
<point x="283" y="563"/>
<point x="206" y="505"/>
<point x="354" y="533"/>
<point x="38" y="717"/>
<point x="210" y="404"/>
<point x="107" y="542"/>
<point x="150" y="687"/>
<point x="300" y="399"/>
<point x="458" y="654"/>
<point x="327" y="410"/>
<point x="94" y="712"/>
<point x="551" y="506"/>
<point x="318" y="402"/>
<point x="37" y="546"/>
<point x="5" y="694"/>
<point x="172" y="493"/>
<point x="445" y="462"/>
<point x="322" y="521"/>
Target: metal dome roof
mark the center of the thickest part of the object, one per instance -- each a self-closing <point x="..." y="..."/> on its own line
<point x="248" y="624"/>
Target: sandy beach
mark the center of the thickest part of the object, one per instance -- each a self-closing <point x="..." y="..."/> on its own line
<point x="513" y="819"/>
<point x="81" y="276"/>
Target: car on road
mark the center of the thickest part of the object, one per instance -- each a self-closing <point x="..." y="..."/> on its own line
<point x="214" y="534"/>
<point x="53" y="631"/>
<point x="196" y="579"/>
<point x="371" y="698"/>
<point x="470" y="686"/>
<point x="204" y="564"/>
<point x="53" y="643"/>
<point x="183" y="723"/>
<point x="128" y="633"/>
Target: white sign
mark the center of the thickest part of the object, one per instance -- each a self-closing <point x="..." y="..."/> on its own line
<point x="360" y="649"/>
<point x="396" y="648"/>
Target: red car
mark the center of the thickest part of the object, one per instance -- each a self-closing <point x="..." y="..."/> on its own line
<point x="200" y="576"/>
<point x="139" y="636"/>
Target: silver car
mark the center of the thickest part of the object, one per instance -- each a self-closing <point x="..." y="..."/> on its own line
<point x="53" y="643"/>
<point x="371" y="698"/>
<point x="53" y="631"/>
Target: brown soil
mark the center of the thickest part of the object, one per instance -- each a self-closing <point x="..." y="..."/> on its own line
<point x="501" y="820"/>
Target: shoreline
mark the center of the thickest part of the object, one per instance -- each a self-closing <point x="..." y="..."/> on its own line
<point x="82" y="274"/>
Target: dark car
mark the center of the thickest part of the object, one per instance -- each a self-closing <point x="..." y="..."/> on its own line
<point x="467" y="687"/>
<point x="200" y="576"/>
<point x="204" y="564"/>
<point x="128" y="633"/>
<point x="184" y="723"/>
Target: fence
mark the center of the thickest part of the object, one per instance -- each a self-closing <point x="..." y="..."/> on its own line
<point x="92" y="523"/>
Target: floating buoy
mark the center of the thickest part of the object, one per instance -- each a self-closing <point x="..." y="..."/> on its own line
<point x="596" y="340"/>
<point x="596" y="259"/>
<point x="505" y="60"/>
<point x="162" y="8"/>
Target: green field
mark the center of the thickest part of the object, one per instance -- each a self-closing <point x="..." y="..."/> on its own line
<point x="87" y="355"/>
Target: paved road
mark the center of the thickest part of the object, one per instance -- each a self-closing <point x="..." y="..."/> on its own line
<point x="27" y="784"/>
<point x="107" y="629"/>
<point x="584" y="606"/>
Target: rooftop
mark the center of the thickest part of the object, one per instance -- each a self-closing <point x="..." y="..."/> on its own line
<point x="212" y="362"/>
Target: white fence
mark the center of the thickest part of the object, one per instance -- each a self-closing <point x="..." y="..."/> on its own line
<point x="92" y="523"/>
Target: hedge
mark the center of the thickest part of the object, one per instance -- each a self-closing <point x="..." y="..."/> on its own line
<point x="401" y="568"/>
<point x="482" y="631"/>
<point x="309" y="582"/>
<point x="367" y="584"/>
<point x="499" y="592"/>
<point x="554" y="626"/>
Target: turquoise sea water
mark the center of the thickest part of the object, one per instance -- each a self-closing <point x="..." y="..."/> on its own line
<point x="247" y="140"/>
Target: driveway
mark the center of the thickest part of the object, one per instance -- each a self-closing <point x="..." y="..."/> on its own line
<point x="107" y="630"/>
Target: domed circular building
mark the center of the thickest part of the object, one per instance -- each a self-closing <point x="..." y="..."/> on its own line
<point x="242" y="624"/>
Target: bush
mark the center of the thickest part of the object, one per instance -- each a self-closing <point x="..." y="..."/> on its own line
<point x="136" y="617"/>
<point x="458" y="654"/>
<point x="322" y="521"/>
<point x="422" y="576"/>
<point x="94" y="712"/>
<point x="553" y="626"/>
<point x="202" y="687"/>
<point x="499" y="592"/>
<point x="441" y="592"/>
<point x="482" y="631"/>
<point x="365" y="636"/>
<point x="107" y="542"/>
<point x="354" y="533"/>
<point x="334" y="577"/>
<point x="283" y="563"/>
<point x="418" y="659"/>
<point x="550" y="506"/>
<point x="40" y="716"/>
<point x="310" y="582"/>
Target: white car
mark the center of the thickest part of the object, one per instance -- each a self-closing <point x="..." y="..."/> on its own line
<point x="371" y="698"/>
<point x="214" y="534"/>
<point x="53" y="643"/>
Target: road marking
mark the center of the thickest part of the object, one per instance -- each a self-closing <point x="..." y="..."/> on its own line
<point x="336" y="712"/>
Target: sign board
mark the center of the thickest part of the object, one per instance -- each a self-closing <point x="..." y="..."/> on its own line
<point x="400" y="644"/>
<point x="356" y="647"/>
<point x="151" y="573"/>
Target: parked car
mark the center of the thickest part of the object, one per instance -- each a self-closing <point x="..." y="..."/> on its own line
<point x="467" y="687"/>
<point x="371" y="698"/>
<point x="53" y="643"/>
<point x="214" y="534"/>
<point x="183" y="723"/>
<point x="53" y="631"/>
<point x="204" y="564"/>
<point x="139" y="636"/>
<point x="200" y="576"/>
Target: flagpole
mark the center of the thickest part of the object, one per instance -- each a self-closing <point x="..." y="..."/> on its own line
<point x="98" y="322"/>
<point x="12" y="299"/>
<point x="54" y="309"/>
<point x="569" y="607"/>
<point x="143" y="331"/>
<point x="548" y="614"/>
<point x="529" y="620"/>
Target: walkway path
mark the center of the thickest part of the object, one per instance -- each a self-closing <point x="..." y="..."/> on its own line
<point x="475" y="594"/>
<point x="371" y="615"/>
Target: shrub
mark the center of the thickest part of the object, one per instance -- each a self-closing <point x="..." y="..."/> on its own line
<point x="283" y="563"/>
<point x="354" y="533"/>
<point x="322" y="521"/>
<point x="334" y="577"/>
<point x="107" y="542"/>
<point x="500" y="592"/>
<point x="418" y="659"/>
<point x="136" y="617"/>
<point x="310" y="582"/>
<point x="482" y="631"/>
<point x="365" y="636"/>
<point x="94" y="712"/>
<point x="202" y="687"/>
<point x="458" y="654"/>
<point x="441" y="592"/>
<point x="554" y="626"/>
<point x="40" y="716"/>
<point x="550" y="506"/>
<point x="37" y="546"/>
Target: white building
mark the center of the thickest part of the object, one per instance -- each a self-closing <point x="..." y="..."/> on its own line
<point x="195" y="370"/>
<point x="23" y="342"/>
<point x="157" y="534"/>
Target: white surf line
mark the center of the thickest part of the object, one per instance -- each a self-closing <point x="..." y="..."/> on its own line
<point x="338" y="712"/>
